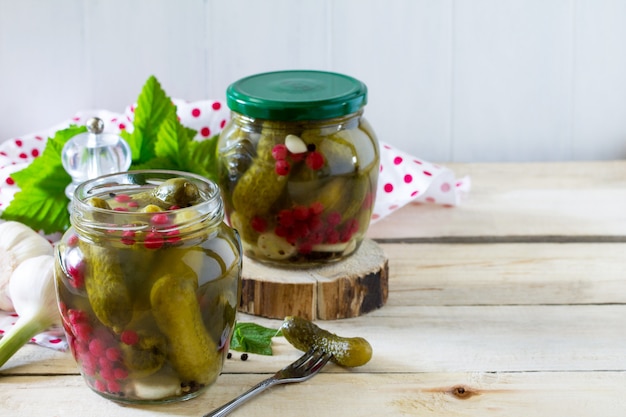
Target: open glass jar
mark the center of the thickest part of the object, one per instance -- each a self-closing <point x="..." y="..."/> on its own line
<point x="148" y="283"/>
<point x="299" y="166"/>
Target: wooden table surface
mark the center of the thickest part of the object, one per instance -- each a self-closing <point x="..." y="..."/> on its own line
<point x="512" y="304"/>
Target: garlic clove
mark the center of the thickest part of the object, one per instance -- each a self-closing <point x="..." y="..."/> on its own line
<point x="19" y="242"/>
<point x="22" y="241"/>
<point x="294" y="144"/>
<point x="32" y="289"/>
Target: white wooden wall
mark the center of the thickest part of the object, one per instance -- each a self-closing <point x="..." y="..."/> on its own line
<point x="449" y="80"/>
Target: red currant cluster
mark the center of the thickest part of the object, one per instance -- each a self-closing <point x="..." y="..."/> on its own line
<point x="284" y="158"/>
<point x="305" y="227"/>
<point x="96" y="350"/>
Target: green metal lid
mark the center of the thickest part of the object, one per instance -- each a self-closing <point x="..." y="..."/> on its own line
<point x="296" y="95"/>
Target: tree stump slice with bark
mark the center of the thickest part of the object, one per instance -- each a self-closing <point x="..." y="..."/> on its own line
<point x="348" y="288"/>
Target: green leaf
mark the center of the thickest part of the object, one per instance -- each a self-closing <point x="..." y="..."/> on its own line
<point x="41" y="203"/>
<point x="153" y="107"/>
<point x="202" y="158"/>
<point x="39" y="210"/>
<point x="173" y="141"/>
<point x="253" y="338"/>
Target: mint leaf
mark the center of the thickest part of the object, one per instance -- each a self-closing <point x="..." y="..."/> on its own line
<point x="39" y="210"/>
<point x="41" y="202"/>
<point x="253" y="338"/>
<point x="173" y="141"/>
<point x="176" y="148"/>
<point x="153" y="107"/>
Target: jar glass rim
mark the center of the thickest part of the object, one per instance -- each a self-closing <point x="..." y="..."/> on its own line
<point x="209" y="208"/>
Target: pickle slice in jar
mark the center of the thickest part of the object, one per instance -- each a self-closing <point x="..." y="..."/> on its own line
<point x="274" y="247"/>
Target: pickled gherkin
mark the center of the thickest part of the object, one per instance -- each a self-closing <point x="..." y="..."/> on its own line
<point x="306" y="335"/>
<point x="175" y="192"/>
<point x="149" y="287"/>
<point x="260" y="179"/>
<point x="193" y="354"/>
<point x="106" y="288"/>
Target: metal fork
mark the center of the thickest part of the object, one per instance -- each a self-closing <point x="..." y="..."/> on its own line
<point x="302" y="369"/>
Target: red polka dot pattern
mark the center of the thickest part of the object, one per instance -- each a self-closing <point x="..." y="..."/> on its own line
<point x="404" y="179"/>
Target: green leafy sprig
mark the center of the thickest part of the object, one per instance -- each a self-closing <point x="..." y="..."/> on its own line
<point x="158" y="141"/>
<point x="253" y="338"/>
<point x="41" y="202"/>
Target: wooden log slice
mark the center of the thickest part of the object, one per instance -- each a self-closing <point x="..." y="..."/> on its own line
<point x="348" y="288"/>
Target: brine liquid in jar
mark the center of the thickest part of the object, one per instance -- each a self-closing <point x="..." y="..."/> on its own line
<point x="148" y="283"/>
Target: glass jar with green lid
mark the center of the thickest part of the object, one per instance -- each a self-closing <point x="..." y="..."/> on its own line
<point x="298" y="166"/>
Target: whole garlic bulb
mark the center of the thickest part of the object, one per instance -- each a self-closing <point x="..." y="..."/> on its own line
<point x="18" y="242"/>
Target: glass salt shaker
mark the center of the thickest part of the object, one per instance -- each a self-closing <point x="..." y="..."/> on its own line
<point x="93" y="154"/>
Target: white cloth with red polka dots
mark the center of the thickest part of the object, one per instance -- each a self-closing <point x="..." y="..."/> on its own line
<point x="403" y="178"/>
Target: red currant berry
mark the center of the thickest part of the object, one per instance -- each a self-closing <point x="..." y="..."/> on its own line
<point x="282" y="167"/>
<point x="332" y="236"/>
<point x="72" y="240"/>
<point x="128" y="237"/>
<point x="279" y="152"/>
<point x="129" y="337"/>
<point x="334" y="218"/>
<point x="305" y="248"/>
<point x="314" y="160"/>
<point x="160" y="218"/>
<point x="285" y="218"/>
<point x="122" y="198"/>
<point x="316" y="207"/>
<point x="301" y="213"/>
<point x="153" y="240"/>
<point x="281" y="231"/>
<point x="258" y="224"/>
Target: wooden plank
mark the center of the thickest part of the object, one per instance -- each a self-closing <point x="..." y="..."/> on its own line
<point x="442" y="339"/>
<point x="570" y="199"/>
<point x="441" y="394"/>
<point x="496" y="274"/>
